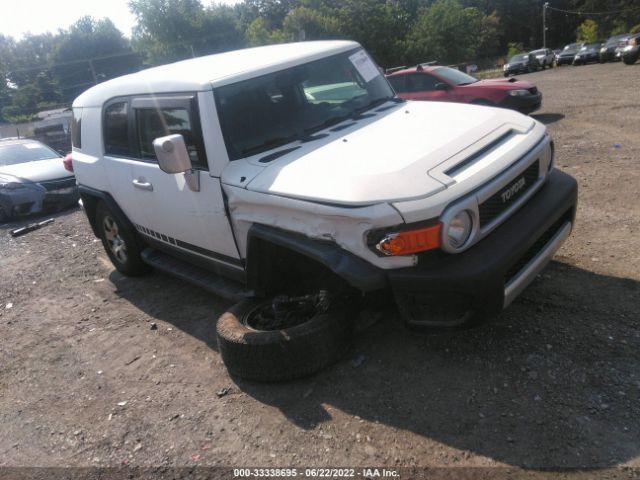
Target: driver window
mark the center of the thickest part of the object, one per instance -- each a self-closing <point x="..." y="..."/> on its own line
<point x="421" y="83"/>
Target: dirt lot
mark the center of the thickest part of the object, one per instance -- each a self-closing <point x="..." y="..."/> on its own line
<point x="553" y="383"/>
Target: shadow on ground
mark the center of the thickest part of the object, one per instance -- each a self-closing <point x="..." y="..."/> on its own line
<point x="548" y="118"/>
<point x="552" y="383"/>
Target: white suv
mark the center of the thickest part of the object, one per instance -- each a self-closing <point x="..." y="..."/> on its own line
<point x="293" y="173"/>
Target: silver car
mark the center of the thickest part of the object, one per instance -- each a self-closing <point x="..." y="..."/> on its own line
<point x="33" y="179"/>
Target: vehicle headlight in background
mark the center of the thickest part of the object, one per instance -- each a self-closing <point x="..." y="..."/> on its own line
<point x="459" y="229"/>
<point x="518" y="93"/>
<point x="603" y="49"/>
<point x="506" y="66"/>
<point x="11" y="186"/>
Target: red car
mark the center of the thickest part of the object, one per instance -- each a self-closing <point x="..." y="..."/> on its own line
<point x="446" y="84"/>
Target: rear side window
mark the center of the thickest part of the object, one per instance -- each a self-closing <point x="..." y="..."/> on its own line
<point x="76" y="128"/>
<point x="421" y="83"/>
<point x="152" y="123"/>
<point x="116" y="129"/>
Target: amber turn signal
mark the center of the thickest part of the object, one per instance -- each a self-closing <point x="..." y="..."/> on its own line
<point x="410" y="241"/>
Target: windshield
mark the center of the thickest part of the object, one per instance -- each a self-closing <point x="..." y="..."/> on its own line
<point x="454" y="76"/>
<point x="539" y="52"/>
<point x="15" y="153"/>
<point x="275" y="109"/>
<point x="615" y="40"/>
<point x="519" y="58"/>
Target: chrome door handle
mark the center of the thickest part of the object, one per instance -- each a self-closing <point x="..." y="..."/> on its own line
<point x="143" y="185"/>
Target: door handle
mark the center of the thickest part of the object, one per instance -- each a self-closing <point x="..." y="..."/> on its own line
<point x="143" y="185"/>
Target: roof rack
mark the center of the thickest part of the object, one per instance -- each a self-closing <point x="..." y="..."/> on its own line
<point x="421" y="66"/>
<point x="394" y="69"/>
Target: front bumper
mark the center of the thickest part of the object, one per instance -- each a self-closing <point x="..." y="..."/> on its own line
<point x="20" y="202"/>
<point x="454" y="290"/>
<point x="523" y="104"/>
<point x="568" y="60"/>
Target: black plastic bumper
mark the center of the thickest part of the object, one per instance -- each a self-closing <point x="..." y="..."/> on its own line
<point x="523" y="104"/>
<point x="474" y="282"/>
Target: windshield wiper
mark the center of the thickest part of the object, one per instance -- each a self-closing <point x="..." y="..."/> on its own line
<point x="330" y="122"/>
<point x="374" y="103"/>
<point x="270" y="143"/>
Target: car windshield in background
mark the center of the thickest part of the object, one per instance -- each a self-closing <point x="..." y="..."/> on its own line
<point x="454" y="76"/>
<point x="539" y="52"/>
<point x="275" y="109"/>
<point x="518" y="58"/>
<point x="15" y="153"/>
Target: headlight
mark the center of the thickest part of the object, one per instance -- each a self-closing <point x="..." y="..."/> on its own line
<point x="459" y="229"/>
<point x="11" y="186"/>
<point x="506" y="66"/>
<point x="518" y="93"/>
<point x="603" y="49"/>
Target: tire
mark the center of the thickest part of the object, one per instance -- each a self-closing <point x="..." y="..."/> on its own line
<point x="629" y="59"/>
<point x="120" y="243"/>
<point x="4" y="217"/>
<point x="285" y="354"/>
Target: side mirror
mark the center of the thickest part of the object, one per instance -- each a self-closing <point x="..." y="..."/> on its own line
<point x="173" y="157"/>
<point x="442" y="86"/>
<point x="172" y="154"/>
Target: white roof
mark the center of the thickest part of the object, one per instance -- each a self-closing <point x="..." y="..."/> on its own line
<point x="202" y="73"/>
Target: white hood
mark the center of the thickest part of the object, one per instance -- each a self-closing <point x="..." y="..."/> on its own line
<point x="386" y="157"/>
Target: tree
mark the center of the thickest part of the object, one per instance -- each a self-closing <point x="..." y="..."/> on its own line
<point x="170" y="30"/>
<point x="587" y="31"/>
<point x="89" y="52"/>
<point x="448" y="32"/>
<point x="308" y="24"/>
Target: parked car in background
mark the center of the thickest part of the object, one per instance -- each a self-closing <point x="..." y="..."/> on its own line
<point x="568" y="53"/>
<point x="632" y="50"/>
<point x="589" y="53"/>
<point x="608" y="49"/>
<point x="545" y="57"/>
<point x="521" y="63"/>
<point x="444" y="84"/>
<point x="33" y="179"/>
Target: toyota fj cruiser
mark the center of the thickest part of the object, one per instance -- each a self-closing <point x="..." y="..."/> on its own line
<point x="291" y="176"/>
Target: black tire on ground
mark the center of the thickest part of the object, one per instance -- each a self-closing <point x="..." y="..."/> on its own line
<point x="277" y="355"/>
<point x="120" y="243"/>
<point x="4" y="217"/>
<point x="629" y="59"/>
<point x="506" y="74"/>
<point x="482" y="101"/>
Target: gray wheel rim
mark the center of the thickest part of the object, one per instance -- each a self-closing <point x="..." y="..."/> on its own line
<point x="115" y="242"/>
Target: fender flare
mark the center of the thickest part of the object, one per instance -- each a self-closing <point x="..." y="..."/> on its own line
<point x="354" y="270"/>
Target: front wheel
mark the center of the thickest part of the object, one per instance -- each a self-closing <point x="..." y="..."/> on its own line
<point x="283" y="338"/>
<point x="119" y="242"/>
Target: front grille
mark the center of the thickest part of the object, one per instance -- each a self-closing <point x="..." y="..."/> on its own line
<point x="533" y="90"/>
<point x="492" y="207"/>
<point x="59" y="183"/>
<point x="536" y="247"/>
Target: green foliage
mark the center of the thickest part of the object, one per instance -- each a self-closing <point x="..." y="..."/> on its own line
<point x="448" y="32"/>
<point x="587" y="31"/>
<point x="307" y="24"/>
<point x="635" y="29"/>
<point x="170" y="30"/>
<point x="514" y="49"/>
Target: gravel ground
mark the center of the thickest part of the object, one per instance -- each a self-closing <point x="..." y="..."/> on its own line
<point x="553" y="383"/>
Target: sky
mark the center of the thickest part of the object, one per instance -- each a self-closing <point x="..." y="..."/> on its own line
<point x="39" y="16"/>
